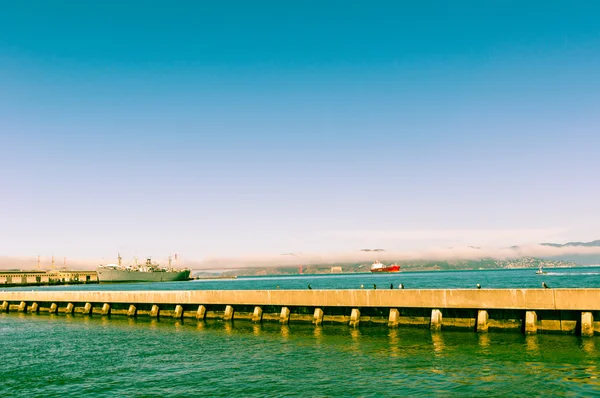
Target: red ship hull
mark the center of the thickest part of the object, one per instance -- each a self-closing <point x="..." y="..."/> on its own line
<point x="390" y="268"/>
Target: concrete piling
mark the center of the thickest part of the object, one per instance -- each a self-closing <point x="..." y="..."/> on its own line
<point x="178" y="312"/>
<point x="257" y="314"/>
<point x="22" y="306"/>
<point x="482" y="321"/>
<point x="34" y="308"/>
<point x="318" y="316"/>
<point x="105" y="309"/>
<point x="201" y="313"/>
<point x="393" y="318"/>
<point x="587" y="324"/>
<point x="436" y="320"/>
<point x="354" y="317"/>
<point x="154" y="311"/>
<point x="4" y="306"/>
<point x="132" y="311"/>
<point x="228" y="313"/>
<point x="87" y="309"/>
<point x="53" y="308"/>
<point x="284" y="316"/>
<point x="70" y="308"/>
<point x="530" y="322"/>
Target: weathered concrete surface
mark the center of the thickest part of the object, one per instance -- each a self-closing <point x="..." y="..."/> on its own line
<point x="482" y="321"/>
<point x="531" y="322"/>
<point x="318" y="316"/>
<point x="587" y="324"/>
<point x="355" y="317"/>
<point x="436" y="319"/>
<point x="524" y="299"/>
<point x="257" y="314"/>
<point x="394" y="317"/>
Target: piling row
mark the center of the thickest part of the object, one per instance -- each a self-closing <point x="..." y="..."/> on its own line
<point x="529" y="310"/>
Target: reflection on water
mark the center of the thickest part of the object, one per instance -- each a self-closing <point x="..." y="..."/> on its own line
<point x="438" y="341"/>
<point x="128" y="356"/>
<point x="531" y="342"/>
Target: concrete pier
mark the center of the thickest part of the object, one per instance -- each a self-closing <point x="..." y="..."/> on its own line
<point x="284" y="316"/>
<point x="393" y="318"/>
<point x="570" y="311"/>
<point x="178" y="313"/>
<point x="587" y="324"/>
<point x="482" y="321"/>
<point x="436" y="320"/>
<point x="531" y="322"/>
<point x="154" y="311"/>
<point x="228" y="316"/>
<point x="257" y="314"/>
<point x="355" y="317"/>
<point x="201" y="312"/>
<point x="132" y="311"/>
<point x="318" y="316"/>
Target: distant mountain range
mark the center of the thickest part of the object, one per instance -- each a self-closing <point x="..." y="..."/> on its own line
<point x="583" y="259"/>
<point x="584" y="244"/>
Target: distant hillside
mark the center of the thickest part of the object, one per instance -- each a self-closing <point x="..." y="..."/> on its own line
<point x="525" y="262"/>
<point x="583" y="259"/>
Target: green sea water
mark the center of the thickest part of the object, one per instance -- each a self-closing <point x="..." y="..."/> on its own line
<point x="73" y="355"/>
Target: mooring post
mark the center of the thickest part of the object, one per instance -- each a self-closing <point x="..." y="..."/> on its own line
<point x="530" y="322"/>
<point x="257" y="314"/>
<point x="436" y="320"/>
<point x="482" y="321"/>
<point x="318" y="316"/>
<point x="201" y="313"/>
<point x="587" y="324"/>
<point x="393" y="318"/>
<point x="284" y="316"/>
<point x="355" y="317"/>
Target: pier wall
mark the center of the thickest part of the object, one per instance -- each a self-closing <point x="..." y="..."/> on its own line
<point x="528" y="310"/>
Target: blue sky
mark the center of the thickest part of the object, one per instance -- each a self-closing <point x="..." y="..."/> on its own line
<point x="245" y="128"/>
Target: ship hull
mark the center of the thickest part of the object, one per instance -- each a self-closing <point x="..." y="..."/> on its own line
<point x="386" y="269"/>
<point x="113" y="276"/>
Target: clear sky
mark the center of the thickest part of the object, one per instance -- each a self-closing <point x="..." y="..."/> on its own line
<point x="237" y="128"/>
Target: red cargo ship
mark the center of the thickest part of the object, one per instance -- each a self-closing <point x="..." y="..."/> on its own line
<point x="378" y="267"/>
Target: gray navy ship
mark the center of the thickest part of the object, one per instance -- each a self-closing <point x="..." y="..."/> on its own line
<point x="149" y="272"/>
